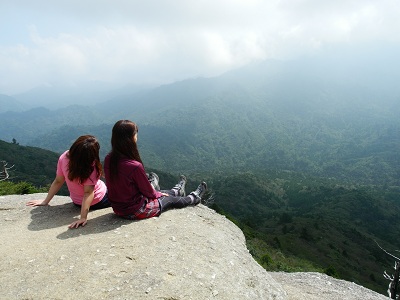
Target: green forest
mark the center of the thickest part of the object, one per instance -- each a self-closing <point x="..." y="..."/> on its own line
<point x="292" y="222"/>
<point x="31" y="169"/>
<point x="305" y="163"/>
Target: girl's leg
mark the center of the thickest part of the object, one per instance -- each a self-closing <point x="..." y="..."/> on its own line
<point x="168" y="202"/>
<point x="154" y="180"/>
<point x="179" y="188"/>
<point x="173" y="200"/>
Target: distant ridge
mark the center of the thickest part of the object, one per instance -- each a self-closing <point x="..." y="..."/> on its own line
<point x="8" y="103"/>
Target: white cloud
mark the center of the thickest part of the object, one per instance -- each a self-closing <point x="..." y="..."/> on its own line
<point x="135" y="41"/>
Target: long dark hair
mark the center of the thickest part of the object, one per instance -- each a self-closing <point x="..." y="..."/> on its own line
<point x="84" y="158"/>
<point x="123" y="145"/>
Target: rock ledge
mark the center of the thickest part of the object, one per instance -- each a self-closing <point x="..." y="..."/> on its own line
<point x="191" y="253"/>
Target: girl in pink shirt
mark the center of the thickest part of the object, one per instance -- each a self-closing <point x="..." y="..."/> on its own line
<point x="81" y="169"/>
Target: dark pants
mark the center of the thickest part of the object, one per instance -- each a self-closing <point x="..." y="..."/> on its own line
<point x="174" y="201"/>
<point x="104" y="203"/>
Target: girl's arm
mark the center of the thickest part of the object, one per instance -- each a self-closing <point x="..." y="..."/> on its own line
<point x="87" y="201"/>
<point x="54" y="188"/>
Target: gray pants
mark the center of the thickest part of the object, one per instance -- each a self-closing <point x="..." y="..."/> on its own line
<point x="174" y="201"/>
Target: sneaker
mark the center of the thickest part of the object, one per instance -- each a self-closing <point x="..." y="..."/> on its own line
<point x="181" y="186"/>
<point x="154" y="180"/>
<point x="199" y="192"/>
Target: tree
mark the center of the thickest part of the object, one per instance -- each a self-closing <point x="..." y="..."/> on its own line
<point x="394" y="279"/>
<point x="4" y="175"/>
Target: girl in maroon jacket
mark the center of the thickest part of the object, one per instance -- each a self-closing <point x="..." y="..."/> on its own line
<point x="129" y="191"/>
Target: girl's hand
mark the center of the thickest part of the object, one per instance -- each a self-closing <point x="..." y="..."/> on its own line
<point x="76" y="224"/>
<point x="164" y="194"/>
<point x="36" y="203"/>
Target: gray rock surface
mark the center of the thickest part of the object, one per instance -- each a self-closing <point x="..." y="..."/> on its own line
<point x="191" y="253"/>
<point x="317" y="286"/>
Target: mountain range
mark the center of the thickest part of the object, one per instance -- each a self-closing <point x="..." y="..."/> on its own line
<point x="317" y="117"/>
<point x="302" y="154"/>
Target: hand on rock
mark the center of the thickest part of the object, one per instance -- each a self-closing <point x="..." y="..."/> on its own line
<point x="36" y="203"/>
<point x="76" y="224"/>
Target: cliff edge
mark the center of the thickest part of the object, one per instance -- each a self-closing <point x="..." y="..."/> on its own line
<point x="191" y="253"/>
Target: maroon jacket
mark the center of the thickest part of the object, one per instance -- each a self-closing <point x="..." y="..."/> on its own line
<point x="128" y="192"/>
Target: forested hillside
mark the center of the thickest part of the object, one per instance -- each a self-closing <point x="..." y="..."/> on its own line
<point x="31" y="164"/>
<point x="294" y="222"/>
<point x="272" y="116"/>
<point x="303" y="155"/>
<point x="30" y="169"/>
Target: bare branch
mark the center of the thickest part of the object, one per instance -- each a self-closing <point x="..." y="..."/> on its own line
<point x="391" y="255"/>
<point x="4" y="175"/>
<point x="208" y="199"/>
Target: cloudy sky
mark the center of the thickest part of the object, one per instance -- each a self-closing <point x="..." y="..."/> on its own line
<point x="65" y="42"/>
